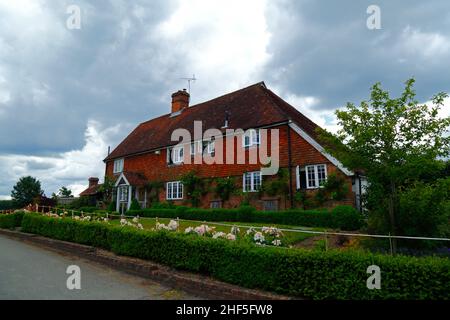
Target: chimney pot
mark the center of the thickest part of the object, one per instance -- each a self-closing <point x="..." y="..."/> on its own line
<point x="93" y="181"/>
<point x="180" y="100"/>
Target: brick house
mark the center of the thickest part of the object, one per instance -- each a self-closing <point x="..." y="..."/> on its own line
<point x="148" y="153"/>
<point x="93" y="192"/>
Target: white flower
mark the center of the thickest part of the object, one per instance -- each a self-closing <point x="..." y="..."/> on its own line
<point x="203" y="230"/>
<point x="135" y="219"/>
<point x="276" y="242"/>
<point x="231" y="237"/>
<point x="140" y="226"/>
<point x="173" y="225"/>
<point x="123" y="222"/>
<point x="217" y="235"/>
<point x="188" y="230"/>
<point x="250" y="231"/>
<point x="259" y="237"/>
<point x="76" y="218"/>
<point x="235" y="230"/>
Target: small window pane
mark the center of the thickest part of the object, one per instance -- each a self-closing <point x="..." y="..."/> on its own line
<point x="256" y="181"/>
<point x="321" y="174"/>
<point x="311" y="177"/>
<point x="215" y="204"/>
<point x="271" y="205"/>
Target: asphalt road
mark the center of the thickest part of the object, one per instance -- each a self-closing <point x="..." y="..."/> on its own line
<point x="31" y="272"/>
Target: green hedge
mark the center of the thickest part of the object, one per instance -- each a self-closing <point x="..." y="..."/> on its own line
<point x="341" y="217"/>
<point x="296" y="272"/>
<point x="11" y="221"/>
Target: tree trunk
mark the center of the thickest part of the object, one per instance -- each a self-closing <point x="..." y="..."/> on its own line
<point x="392" y="216"/>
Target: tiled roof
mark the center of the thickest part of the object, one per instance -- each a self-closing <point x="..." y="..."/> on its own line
<point x="91" y="190"/>
<point x="135" y="178"/>
<point x="251" y="107"/>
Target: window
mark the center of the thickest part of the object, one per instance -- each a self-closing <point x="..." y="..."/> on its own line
<point x="118" y="165"/>
<point x="301" y="177"/>
<point x="196" y="147"/>
<point x="252" y="181"/>
<point x="271" y="205"/>
<point x="315" y="176"/>
<point x="211" y="147"/>
<point x="174" y="190"/>
<point x="123" y="193"/>
<point x="175" y="155"/>
<point x="251" y="137"/>
<point x="215" y="204"/>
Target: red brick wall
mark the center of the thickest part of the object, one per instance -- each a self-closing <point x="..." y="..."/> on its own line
<point x="155" y="167"/>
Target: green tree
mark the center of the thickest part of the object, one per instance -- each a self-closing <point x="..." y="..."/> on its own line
<point x="394" y="140"/>
<point x="107" y="189"/>
<point x="25" y="190"/>
<point x="64" y="192"/>
<point x="194" y="187"/>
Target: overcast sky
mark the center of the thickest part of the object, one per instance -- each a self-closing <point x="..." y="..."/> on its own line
<point x="68" y="94"/>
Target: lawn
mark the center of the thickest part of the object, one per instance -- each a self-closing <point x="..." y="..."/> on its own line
<point x="289" y="238"/>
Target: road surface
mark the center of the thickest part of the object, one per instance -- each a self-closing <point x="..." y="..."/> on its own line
<point x="30" y="272"/>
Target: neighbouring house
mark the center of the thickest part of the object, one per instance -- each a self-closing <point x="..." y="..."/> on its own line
<point x="93" y="192"/>
<point x="148" y="153"/>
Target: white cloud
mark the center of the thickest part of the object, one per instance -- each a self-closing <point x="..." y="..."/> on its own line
<point x="224" y="44"/>
<point x="308" y="106"/>
<point x="71" y="169"/>
<point x="428" y="44"/>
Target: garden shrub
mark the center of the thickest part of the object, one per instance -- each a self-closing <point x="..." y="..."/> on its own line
<point x="111" y="207"/>
<point x="347" y="216"/>
<point x="88" y="209"/>
<point x="135" y="205"/>
<point x="296" y="272"/>
<point x="11" y="221"/>
<point x="343" y="217"/>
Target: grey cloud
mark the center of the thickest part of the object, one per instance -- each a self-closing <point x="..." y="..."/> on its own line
<point x="324" y="49"/>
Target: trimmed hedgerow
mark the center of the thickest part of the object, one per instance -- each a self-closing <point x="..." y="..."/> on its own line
<point x="11" y="221"/>
<point x="296" y="272"/>
<point x="342" y="217"/>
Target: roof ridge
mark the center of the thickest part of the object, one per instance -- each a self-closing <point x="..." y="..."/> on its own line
<point x="260" y="83"/>
<point x="273" y="95"/>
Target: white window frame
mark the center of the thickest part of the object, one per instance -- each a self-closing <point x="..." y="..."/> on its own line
<point x="252" y="181"/>
<point x="178" y="155"/>
<point x="118" y="165"/>
<point x="123" y="193"/>
<point x="196" y="147"/>
<point x="254" y="138"/>
<point x="211" y="147"/>
<point x="175" y="187"/>
<point x="316" y="175"/>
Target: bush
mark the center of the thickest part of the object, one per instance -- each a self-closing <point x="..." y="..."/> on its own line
<point x="135" y="205"/>
<point x="296" y="272"/>
<point x="343" y="217"/>
<point x="347" y="216"/>
<point x="8" y="205"/>
<point x="111" y="207"/>
<point x="163" y="205"/>
<point x="88" y="209"/>
<point x="11" y="221"/>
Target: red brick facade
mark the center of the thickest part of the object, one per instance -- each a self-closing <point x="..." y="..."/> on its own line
<point x="154" y="166"/>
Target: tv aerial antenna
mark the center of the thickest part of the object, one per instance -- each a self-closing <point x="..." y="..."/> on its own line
<point x="189" y="80"/>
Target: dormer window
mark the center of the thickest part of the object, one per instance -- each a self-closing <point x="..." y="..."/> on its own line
<point x="251" y="137"/>
<point x="118" y="165"/>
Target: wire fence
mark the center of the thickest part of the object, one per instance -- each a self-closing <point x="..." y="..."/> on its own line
<point x="326" y="234"/>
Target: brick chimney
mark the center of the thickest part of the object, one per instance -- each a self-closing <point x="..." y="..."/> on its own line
<point x="180" y="100"/>
<point x="93" y="182"/>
